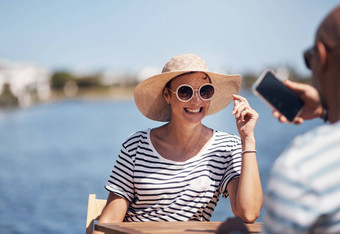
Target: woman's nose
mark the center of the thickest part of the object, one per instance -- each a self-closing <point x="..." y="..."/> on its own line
<point x="196" y="97"/>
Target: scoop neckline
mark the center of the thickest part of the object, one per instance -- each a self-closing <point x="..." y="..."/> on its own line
<point x="199" y="154"/>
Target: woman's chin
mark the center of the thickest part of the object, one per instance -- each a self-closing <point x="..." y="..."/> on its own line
<point x="194" y="117"/>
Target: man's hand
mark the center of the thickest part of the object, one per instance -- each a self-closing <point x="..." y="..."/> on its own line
<point x="312" y="108"/>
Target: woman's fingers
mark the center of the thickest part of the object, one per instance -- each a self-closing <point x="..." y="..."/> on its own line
<point x="240" y="98"/>
<point x="243" y="114"/>
<point x="242" y="108"/>
<point x="248" y="111"/>
<point x="239" y="108"/>
<point x="246" y="117"/>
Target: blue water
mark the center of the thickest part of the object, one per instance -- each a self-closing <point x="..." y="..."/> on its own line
<point x="53" y="155"/>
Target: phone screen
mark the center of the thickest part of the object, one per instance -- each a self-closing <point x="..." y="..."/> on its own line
<point x="279" y="96"/>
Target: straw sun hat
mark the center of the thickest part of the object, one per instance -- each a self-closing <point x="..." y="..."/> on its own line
<point x="149" y="93"/>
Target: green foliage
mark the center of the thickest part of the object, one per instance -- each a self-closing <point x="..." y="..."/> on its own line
<point x="60" y="78"/>
<point x="88" y="81"/>
<point x="248" y="79"/>
<point x="294" y="76"/>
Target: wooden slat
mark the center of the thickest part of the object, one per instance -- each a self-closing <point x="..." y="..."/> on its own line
<point x="168" y="227"/>
<point x="94" y="210"/>
<point x="254" y="227"/>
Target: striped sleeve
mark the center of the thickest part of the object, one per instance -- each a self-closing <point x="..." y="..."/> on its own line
<point x="289" y="212"/>
<point x="303" y="191"/>
<point x="232" y="156"/>
<point x="120" y="181"/>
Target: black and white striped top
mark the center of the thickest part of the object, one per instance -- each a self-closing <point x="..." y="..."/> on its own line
<point x="159" y="189"/>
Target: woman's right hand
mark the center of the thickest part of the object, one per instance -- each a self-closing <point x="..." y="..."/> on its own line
<point x="312" y="108"/>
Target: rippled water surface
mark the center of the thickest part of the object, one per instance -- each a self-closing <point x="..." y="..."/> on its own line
<point x="53" y="155"/>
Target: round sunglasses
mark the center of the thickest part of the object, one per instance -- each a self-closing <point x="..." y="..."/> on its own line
<point x="185" y="92"/>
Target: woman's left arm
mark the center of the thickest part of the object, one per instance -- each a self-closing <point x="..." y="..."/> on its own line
<point x="245" y="192"/>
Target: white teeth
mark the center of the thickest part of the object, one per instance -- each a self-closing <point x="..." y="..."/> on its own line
<point x="193" y="110"/>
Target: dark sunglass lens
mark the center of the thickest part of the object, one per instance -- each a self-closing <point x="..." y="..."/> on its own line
<point x="207" y="91"/>
<point x="307" y="55"/>
<point x="184" y="93"/>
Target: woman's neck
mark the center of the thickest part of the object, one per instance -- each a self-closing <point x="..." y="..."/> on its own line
<point x="181" y="133"/>
<point x="187" y="139"/>
<point x="180" y="142"/>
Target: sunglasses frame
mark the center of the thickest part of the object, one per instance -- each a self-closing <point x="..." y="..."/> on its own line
<point x="193" y="92"/>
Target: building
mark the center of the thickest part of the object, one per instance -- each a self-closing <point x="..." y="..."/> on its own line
<point x="23" y="84"/>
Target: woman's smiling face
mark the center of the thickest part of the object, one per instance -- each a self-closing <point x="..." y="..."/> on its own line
<point x="194" y="110"/>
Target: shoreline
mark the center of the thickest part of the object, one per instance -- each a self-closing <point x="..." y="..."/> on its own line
<point x="113" y="94"/>
<point x="98" y="93"/>
<point x="109" y="94"/>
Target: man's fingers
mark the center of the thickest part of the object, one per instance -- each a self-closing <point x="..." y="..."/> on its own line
<point x="298" y="120"/>
<point x="283" y="119"/>
<point x="296" y="87"/>
<point x="276" y="114"/>
<point x="280" y="117"/>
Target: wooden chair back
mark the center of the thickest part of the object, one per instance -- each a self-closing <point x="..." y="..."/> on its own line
<point x="94" y="210"/>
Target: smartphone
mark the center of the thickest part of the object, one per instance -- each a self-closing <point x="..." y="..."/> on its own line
<point x="277" y="95"/>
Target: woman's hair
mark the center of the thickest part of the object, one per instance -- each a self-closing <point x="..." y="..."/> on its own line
<point x="167" y="85"/>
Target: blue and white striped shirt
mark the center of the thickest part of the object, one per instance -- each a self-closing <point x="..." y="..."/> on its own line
<point x="159" y="189"/>
<point x="303" y="194"/>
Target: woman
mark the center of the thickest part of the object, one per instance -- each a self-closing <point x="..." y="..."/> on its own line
<point x="178" y="171"/>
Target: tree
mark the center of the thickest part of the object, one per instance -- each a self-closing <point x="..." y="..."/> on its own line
<point x="60" y="78"/>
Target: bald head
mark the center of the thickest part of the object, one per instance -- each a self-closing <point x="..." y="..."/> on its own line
<point x="329" y="30"/>
<point x="326" y="63"/>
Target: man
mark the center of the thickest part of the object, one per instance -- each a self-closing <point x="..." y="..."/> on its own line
<point x="303" y="194"/>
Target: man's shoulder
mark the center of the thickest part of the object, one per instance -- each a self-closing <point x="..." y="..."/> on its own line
<point x="317" y="135"/>
<point x="309" y="146"/>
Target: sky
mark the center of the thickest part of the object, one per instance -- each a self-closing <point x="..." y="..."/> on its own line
<point x="235" y="36"/>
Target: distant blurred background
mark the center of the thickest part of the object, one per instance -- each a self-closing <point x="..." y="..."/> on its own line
<point x="67" y="74"/>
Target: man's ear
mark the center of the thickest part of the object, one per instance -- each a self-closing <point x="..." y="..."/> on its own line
<point x="322" y="54"/>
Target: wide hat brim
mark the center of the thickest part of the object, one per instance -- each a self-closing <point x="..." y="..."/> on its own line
<point x="151" y="103"/>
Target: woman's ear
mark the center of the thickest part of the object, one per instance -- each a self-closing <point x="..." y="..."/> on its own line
<point x="166" y="95"/>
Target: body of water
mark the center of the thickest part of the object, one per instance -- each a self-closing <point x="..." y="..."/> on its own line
<point x="53" y="155"/>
